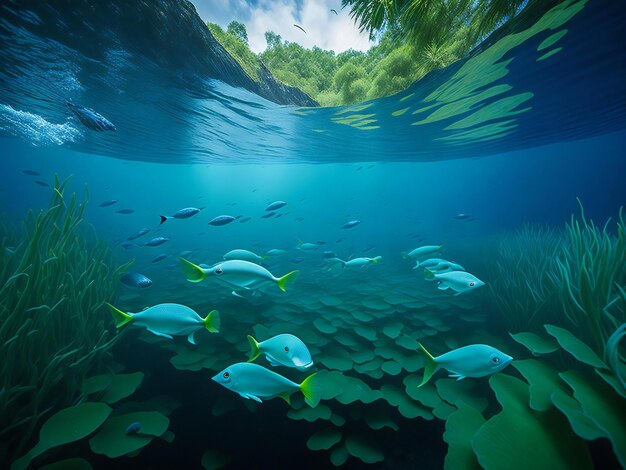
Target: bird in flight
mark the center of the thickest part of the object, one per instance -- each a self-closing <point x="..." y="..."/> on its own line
<point x="334" y="11"/>
<point x="300" y="27"/>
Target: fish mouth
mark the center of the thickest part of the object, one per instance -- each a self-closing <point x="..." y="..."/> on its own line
<point x="301" y="366"/>
<point x="216" y="377"/>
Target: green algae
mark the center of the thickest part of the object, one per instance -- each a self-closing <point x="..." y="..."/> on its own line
<point x="461" y="426"/>
<point x="549" y="54"/>
<point x="122" y="386"/>
<point x="551" y="40"/>
<point x="575" y="347"/>
<point x="455" y="391"/>
<point x="364" y="448"/>
<point x="535" y="343"/>
<point x="309" y="414"/>
<point x="324" y="439"/>
<point x="543" y="380"/>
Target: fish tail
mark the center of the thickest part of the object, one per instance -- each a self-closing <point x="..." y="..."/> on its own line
<point x="254" y="348"/>
<point x="376" y="259"/>
<point x="311" y="391"/>
<point x="212" y="322"/>
<point x="120" y="318"/>
<point x="163" y="219"/>
<point x="193" y="272"/>
<point x="430" y="366"/>
<point x="287" y="279"/>
<point x="429" y="275"/>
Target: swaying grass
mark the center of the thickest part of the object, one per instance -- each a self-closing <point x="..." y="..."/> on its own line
<point x="591" y="276"/>
<point x="524" y="290"/>
<point x="53" y="281"/>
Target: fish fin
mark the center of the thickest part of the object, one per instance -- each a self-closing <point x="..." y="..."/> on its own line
<point x="376" y="259"/>
<point x="163" y="219"/>
<point x="416" y="266"/>
<point x="212" y="322"/>
<point x="254" y="348"/>
<point x="287" y="279"/>
<point x="285" y="396"/>
<point x="430" y="366"/>
<point x="265" y="257"/>
<point x="310" y="390"/>
<point x="404" y="254"/>
<point x="454" y="376"/>
<point x="273" y="362"/>
<point x="193" y="272"/>
<point x="190" y="338"/>
<point x="458" y="293"/>
<point x="443" y="286"/>
<point x="162" y="335"/>
<point x="429" y="275"/>
<point x="236" y="294"/>
<point x="120" y="318"/>
<point x="460" y="377"/>
<point x="251" y="397"/>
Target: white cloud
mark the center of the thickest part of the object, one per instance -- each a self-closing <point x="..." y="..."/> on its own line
<point x="323" y="28"/>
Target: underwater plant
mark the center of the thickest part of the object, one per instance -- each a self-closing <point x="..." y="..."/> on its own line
<point x="524" y="288"/>
<point x="54" y="279"/>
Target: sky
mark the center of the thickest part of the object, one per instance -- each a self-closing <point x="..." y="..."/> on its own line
<point x="323" y="28"/>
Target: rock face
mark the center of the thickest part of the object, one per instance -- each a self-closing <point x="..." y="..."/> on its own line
<point x="168" y="32"/>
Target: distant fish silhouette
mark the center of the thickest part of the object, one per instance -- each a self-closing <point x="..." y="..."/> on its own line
<point x="107" y="203"/>
<point x="351" y="223"/>
<point x="157" y="241"/>
<point x="222" y="220"/>
<point x="268" y="215"/>
<point x="31" y="172"/>
<point x="300" y="27"/>
<point x="42" y="183"/>
<point x="275" y="206"/>
<point x="91" y="119"/>
<point x="133" y="428"/>
<point x="134" y="279"/>
<point x="125" y="211"/>
<point x="138" y="233"/>
<point x="158" y="258"/>
<point x="245" y="219"/>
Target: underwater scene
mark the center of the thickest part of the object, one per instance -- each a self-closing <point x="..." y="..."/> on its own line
<point x="200" y="269"/>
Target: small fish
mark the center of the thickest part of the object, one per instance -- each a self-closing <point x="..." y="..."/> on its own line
<point x="42" y="183"/>
<point x="296" y="260"/>
<point x="125" y="211"/>
<point x="281" y="214"/>
<point x="31" y="172"/>
<point x="133" y="428"/>
<point x="244" y="255"/>
<point x="245" y="219"/>
<point x="108" y="203"/>
<point x="138" y="233"/>
<point x="437" y="264"/>
<point x="240" y="274"/>
<point x="160" y="257"/>
<point x="268" y="215"/>
<point x="128" y="246"/>
<point x="458" y="281"/>
<point x="329" y="254"/>
<point x="168" y="320"/>
<point x="181" y="214"/>
<point x="462" y="216"/>
<point x="222" y="220"/>
<point x="275" y="206"/>
<point x="275" y="252"/>
<point x="157" y="241"/>
<point x="476" y="360"/>
<point x="351" y="223"/>
<point x="282" y="350"/>
<point x="91" y="119"/>
<point x="134" y="279"/>
<point x="421" y="251"/>
<point x="339" y="240"/>
<point x="255" y="382"/>
<point x="307" y="246"/>
<point x="360" y="262"/>
<point x="371" y="166"/>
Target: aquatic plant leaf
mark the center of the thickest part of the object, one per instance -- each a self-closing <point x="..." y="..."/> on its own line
<point x="575" y="347"/>
<point x="122" y="386"/>
<point x="213" y="459"/>
<point x="68" y="425"/>
<point x="364" y="448"/>
<point x="324" y="439"/>
<point x="454" y="391"/>
<point x="113" y="441"/>
<point x="391" y="367"/>
<point x="407" y="342"/>
<point x="339" y="455"/>
<point x="393" y="329"/>
<point x="535" y="343"/>
<point x="427" y="395"/>
<point x="378" y="419"/>
<point x="609" y="378"/>
<point x="406" y="407"/>
<point x="461" y="426"/>
<point x="603" y="407"/>
<point x="97" y="383"/>
<point x="324" y="326"/>
<point x="543" y="380"/>
<point x="520" y="438"/>
<point x="309" y="414"/>
<point x="68" y="464"/>
<point x="581" y="424"/>
<point x="337" y="420"/>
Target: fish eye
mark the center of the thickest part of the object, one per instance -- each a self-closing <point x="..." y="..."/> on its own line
<point x="218" y="271"/>
<point x="472" y="284"/>
<point x="286" y="348"/>
<point x="226" y="375"/>
<point x="495" y="360"/>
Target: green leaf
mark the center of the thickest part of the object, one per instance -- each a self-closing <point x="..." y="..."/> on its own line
<point x="461" y="426"/>
<point x="575" y="347"/>
<point x="364" y="448"/>
<point x="122" y="386"/>
<point x="324" y="439"/>
<point x="535" y="343"/>
<point x="543" y="381"/>
<point x="213" y="459"/>
<point x="581" y="424"/>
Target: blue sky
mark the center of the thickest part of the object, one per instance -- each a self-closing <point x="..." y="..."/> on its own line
<point x="324" y="28"/>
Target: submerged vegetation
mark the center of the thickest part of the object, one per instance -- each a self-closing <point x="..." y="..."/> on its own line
<point x="54" y="279"/>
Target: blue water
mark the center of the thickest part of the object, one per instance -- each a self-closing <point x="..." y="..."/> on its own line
<point x="555" y="134"/>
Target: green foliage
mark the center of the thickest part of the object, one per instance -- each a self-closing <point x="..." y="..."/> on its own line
<point x="235" y="41"/>
<point x="238" y="29"/>
<point x="54" y="279"/>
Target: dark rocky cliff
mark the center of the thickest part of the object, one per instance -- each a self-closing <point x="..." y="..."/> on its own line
<point x="168" y="32"/>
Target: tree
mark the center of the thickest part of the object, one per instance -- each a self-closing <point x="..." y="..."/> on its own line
<point x="272" y="39"/>
<point x="238" y="29"/>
